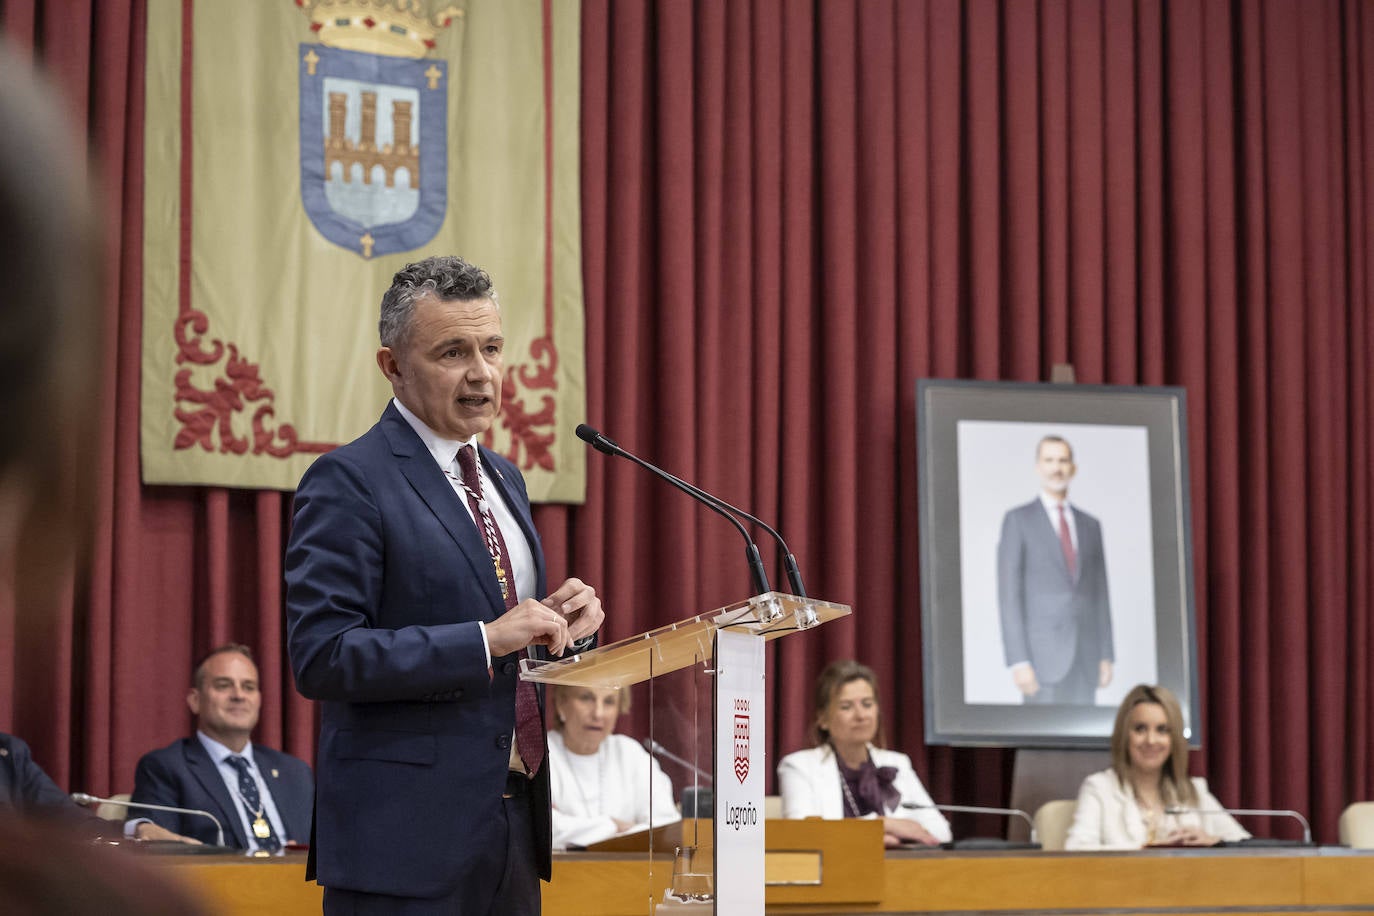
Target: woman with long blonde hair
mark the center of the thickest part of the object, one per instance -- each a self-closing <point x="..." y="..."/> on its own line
<point x="1146" y="797"/>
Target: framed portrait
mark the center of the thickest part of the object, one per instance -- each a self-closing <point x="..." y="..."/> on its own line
<point x="1056" y="558"/>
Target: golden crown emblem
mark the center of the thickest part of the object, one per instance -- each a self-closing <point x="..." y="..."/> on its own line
<point x="396" y="28"/>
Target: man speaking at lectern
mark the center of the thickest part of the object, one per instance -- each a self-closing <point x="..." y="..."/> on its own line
<point x="415" y="584"/>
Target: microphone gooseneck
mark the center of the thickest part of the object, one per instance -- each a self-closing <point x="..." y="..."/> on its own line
<point x="653" y="747"/>
<point x="602" y="444"/>
<point x="81" y="798"/>
<point x="751" y="550"/>
<point x="978" y="809"/>
<point x="1254" y="812"/>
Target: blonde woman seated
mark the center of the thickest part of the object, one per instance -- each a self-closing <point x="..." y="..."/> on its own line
<point x="599" y="782"/>
<point x="1146" y="797"/>
<point x="848" y="773"/>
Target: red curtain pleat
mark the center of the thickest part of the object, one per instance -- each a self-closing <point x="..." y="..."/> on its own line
<point x="791" y="212"/>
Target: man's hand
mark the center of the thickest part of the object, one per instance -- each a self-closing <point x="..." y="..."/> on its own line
<point x="1104" y="673"/>
<point x="150" y="831"/>
<point x="1023" y="675"/>
<point x="576" y="601"/>
<point x="529" y="623"/>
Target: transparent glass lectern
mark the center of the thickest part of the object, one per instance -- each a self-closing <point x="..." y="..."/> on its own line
<point x="677" y="662"/>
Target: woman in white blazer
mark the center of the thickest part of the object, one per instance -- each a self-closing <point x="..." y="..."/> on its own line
<point x="848" y="773"/>
<point x="1146" y="797"/>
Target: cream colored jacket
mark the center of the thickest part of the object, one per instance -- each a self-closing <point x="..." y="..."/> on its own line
<point x="1107" y="816"/>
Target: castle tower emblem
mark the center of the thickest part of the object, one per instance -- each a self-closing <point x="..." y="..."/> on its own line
<point x="373" y="122"/>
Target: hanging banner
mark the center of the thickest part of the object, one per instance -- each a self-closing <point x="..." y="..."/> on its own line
<point x="298" y="153"/>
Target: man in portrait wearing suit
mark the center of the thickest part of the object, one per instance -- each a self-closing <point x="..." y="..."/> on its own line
<point x="1052" y="590"/>
<point x="415" y="586"/>
<point x="260" y="797"/>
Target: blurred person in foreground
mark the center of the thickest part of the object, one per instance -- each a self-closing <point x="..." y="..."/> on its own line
<point x="1134" y="803"/>
<point x="602" y="784"/>
<point x="49" y="363"/>
<point x="848" y="773"/>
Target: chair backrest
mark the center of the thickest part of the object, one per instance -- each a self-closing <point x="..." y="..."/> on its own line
<point x="1052" y="821"/>
<point x="111" y="811"/>
<point x="772" y="807"/>
<point x="1357" y="826"/>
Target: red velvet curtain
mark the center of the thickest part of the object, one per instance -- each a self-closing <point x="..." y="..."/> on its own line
<point x="793" y="211"/>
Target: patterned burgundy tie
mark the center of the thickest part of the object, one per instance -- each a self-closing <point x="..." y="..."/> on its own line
<point x="529" y="724"/>
<point x="1066" y="542"/>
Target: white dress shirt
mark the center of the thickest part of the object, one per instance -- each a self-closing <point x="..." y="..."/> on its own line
<point x="445" y="452"/>
<point x="220" y="755"/>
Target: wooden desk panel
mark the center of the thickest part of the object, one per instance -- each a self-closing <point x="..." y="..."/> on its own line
<point x="1316" y="882"/>
<point x="242" y="886"/>
<point x="1337" y="880"/>
<point x="999" y="882"/>
<point x="606" y="884"/>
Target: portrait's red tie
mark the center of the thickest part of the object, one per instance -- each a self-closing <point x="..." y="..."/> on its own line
<point x="1066" y="542"/>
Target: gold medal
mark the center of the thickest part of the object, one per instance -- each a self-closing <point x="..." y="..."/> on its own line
<point x="261" y="829"/>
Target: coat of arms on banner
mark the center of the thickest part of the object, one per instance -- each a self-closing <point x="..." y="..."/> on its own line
<point x="741" y="740"/>
<point x="373" y="134"/>
<point x="296" y="154"/>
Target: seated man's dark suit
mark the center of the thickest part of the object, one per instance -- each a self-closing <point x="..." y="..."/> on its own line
<point x="27" y="791"/>
<point x="182" y="775"/>
<point x="387" y="578"/>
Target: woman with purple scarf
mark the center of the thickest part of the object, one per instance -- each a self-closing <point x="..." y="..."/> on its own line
<point x="848" y="773"/>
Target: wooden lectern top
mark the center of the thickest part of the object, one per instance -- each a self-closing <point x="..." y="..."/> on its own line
<point x="681" y="644"/>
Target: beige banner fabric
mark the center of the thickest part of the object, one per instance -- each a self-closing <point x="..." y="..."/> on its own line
<point x="298" y="153"/>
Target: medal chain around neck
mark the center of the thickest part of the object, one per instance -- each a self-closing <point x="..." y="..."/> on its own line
<point x="488" y="525"/>
<point x="248" y="806"/>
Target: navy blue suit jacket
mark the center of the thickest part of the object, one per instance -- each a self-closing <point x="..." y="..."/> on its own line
<point x="387" y="578"/>
<point x="183" y="775"/>
<point x="26" y="790"/>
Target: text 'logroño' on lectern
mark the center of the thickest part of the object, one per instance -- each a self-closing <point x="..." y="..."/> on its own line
<point x="724" y="873"/>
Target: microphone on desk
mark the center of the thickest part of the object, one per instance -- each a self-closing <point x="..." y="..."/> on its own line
<point x="81" y="798"/>
<point x="602" y="444"/>
<point x="1256" y="812"/>
<point x="978" y="809"/>
<point x="658" y="750"/>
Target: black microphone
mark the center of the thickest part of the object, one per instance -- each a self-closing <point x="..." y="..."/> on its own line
<point x="653" y="747"/>
<point x="1256" y="812"/>
<point x="978" y="809"/>
<point x="81" y="798"/>
<point x="751" y="552"/>
<point x="602" y="444"/>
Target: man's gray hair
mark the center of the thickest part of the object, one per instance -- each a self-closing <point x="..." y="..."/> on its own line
<point x="446" y="277"/>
